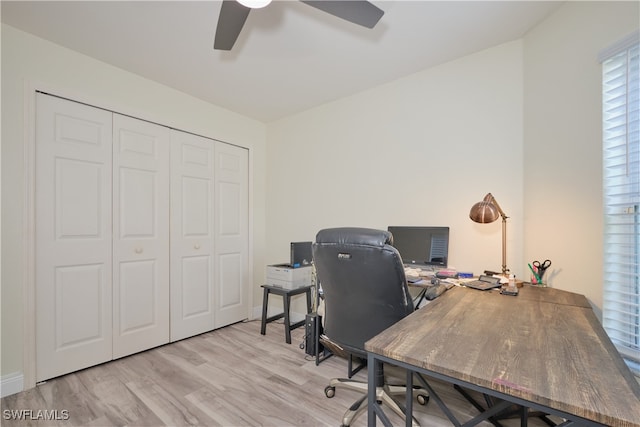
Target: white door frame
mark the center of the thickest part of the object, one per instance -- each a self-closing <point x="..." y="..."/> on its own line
<point x="28" y="224"/>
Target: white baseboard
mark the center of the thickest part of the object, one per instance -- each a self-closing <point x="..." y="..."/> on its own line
<point x="11" y="384"/>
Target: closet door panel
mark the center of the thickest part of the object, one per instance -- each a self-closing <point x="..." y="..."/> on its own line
<point x="231" y="234"/>
<point x="73" y="236"/>
<point x="141" y="235"/>
<point x="192" y="244"/>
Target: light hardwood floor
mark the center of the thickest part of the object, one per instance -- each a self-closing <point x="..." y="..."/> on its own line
<point x="229" y="377"/>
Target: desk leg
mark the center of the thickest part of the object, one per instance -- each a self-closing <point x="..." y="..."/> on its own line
<point x="371" y="390"/>
<point x="265" y="302"/>
<point x="287" y="321"/>
<point x="524" y="418"/>
<point x="409" y="400"/>
<point x="374" y="367"/>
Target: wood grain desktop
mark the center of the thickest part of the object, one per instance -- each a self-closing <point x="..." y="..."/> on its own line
<point x="544" y="346"/>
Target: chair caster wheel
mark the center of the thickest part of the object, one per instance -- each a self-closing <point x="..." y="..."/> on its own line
<point x="329" y="391"/>
<point x="423" y="399"/>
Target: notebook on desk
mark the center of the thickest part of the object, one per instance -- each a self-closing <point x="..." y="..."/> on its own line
<point x="484" y="283"/>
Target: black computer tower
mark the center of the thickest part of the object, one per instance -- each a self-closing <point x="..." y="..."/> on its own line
<point x="312" y="332"/>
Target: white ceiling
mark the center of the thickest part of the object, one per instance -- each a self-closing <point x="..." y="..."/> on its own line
<point x="289" y="57"/>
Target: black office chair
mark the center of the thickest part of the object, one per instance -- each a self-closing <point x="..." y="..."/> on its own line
<point x="365" y="292"/>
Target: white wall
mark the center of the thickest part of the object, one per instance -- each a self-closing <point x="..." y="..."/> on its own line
<point x="418" y="151"/>
<point x="27" y="61"/>
<point x="563" y="140"/>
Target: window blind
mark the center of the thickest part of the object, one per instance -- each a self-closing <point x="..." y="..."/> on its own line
<point x="621" y="175"/>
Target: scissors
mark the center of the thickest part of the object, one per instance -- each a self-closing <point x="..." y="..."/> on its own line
<point x="541" y="266"/>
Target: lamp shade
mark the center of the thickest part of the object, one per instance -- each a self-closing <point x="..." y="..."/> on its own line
<point x="485" y="211"/>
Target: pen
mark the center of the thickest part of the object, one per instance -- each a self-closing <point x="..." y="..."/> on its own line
<point x="535" y="274"/>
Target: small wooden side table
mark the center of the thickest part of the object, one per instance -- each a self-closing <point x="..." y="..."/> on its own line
<point x="286" y="302"/>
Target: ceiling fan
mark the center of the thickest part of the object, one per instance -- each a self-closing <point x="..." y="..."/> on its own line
<point x="233" y="15"/>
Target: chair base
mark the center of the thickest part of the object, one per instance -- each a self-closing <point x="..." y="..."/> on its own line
<point x="384" y="395"/>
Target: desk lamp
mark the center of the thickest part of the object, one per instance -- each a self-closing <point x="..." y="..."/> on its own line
<point x="486" y="211"/>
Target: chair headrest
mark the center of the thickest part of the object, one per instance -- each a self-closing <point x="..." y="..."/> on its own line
<point x="355" y="236"/>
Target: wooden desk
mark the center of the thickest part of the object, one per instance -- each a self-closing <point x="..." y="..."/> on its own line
<point x="543" y="349"/>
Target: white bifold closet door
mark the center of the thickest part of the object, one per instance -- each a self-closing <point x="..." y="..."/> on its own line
<point x="209" y="234"/>
<point x="231" y="234"/>
<point x="192" y="229"/>
<point x="73" y="187"/>
<point x="102" y="236"/>
<point x="140" y="235"/>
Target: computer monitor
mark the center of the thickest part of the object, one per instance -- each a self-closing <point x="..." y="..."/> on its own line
<point x="301" y="254"/>
<point x="419" y="245"/>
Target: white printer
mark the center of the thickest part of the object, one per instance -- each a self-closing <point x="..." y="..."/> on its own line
<point x="286" y="277"/>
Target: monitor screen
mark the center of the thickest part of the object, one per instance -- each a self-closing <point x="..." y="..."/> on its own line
<point x="421" y="245"/>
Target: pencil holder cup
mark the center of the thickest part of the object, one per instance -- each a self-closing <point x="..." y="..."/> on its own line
<point x="534" y="281"/>
<point x="537" y="274"/>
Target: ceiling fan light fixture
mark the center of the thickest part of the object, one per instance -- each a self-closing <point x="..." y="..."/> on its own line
<point x="233" y="14"/>
<point x="254" y="4"/>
